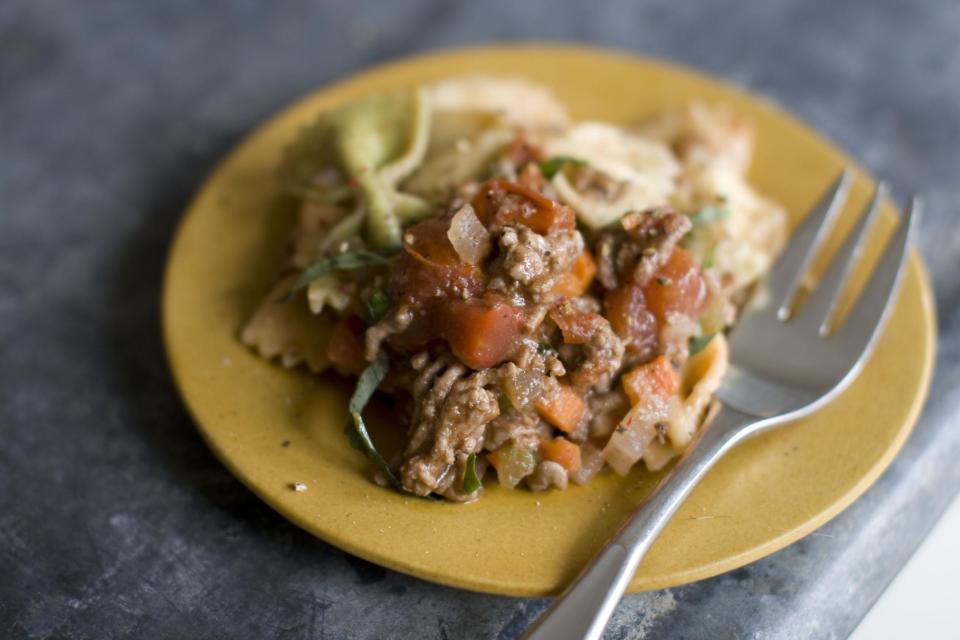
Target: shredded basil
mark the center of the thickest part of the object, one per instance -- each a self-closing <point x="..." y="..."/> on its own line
<point x="699" y="343"/>
<point x="359" y="438"/>
<point x="504" y="403"/>
<point x="377" y="306"/>
<point x="708" y="259"/>
<point x="340" y="262"/>
<point x="471" y="481"/>
<point x="545" y="349"/>
<point x="551" y="166"/>
<point x="707" y="215"/>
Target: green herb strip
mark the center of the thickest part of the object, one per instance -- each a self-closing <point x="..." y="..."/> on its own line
<point x="377" y="306"/>
<point x="545" y="349"/>
<point x="341" y="262"/>
<point x="551" y="166"/>
<point x="699" y="343"/>
<point x="707" y="215"/>
<point x="367" y="384"/>
<point x="708" y="259"/>
<point x="471" y="481"/>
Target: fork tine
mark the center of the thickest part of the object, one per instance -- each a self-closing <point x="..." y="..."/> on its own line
<point x="861" y="326"/>
<point x="820" y="305"/>
<point x="790" y="268"/>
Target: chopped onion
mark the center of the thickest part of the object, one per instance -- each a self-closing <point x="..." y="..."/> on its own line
<point x="468" y="236"/>
<point x="657" y="455"/>
<point x="591" y="462"/>
<point x="631" y="438"/>
<point x="523" y="386"/>
<point x="515" y="464"/>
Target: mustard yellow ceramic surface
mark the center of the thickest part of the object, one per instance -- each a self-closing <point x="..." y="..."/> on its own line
<point x="760" y="498"/>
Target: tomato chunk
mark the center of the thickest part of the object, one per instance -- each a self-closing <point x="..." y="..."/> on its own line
<point x="577" y="327"/>
<point x="346" y="346"/>
<point x="482" y="333"/>
<point x="429" y="267"/>
<point x="626" y="309"/>
<point x="429" y="240"/>
<point x="677" y="288"/>
<point x="502" y="202"/>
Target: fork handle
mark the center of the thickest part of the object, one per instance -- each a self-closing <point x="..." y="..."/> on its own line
<point x="581" y="612"/>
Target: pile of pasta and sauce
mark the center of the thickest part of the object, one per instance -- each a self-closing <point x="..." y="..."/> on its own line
<point x="538" y="297"/>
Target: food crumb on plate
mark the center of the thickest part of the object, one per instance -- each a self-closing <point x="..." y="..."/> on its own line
<point x="299" y="486"/>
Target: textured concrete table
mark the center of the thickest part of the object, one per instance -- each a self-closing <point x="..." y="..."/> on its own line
<point x="115" y="520"/>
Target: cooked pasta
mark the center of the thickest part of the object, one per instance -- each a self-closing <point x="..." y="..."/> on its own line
<point x="543" y="299"/>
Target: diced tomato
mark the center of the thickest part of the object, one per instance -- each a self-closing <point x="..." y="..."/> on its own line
<point x="561" y="451"/>
<point x="482" y="333"/>
<point x="501" y="202"/>
<point x="531" y="177"/>
<point x="563" y="410"/>
<point x="677" y="288"/>
<point x="521" y="152"/>
<point x="429" y="240"/>
<point x="576" y="281"/>
<point x="626" y="309"/>
<point x="577" y="327"/>
<point x="346" y="346"/>
<point x="429" y="267"/>
<point x="656" y="378"/>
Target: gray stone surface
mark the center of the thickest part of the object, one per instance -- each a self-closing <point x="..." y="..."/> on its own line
<point x="115" y="520"/>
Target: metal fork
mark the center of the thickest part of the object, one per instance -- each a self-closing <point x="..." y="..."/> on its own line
<point x="785" y="363"/>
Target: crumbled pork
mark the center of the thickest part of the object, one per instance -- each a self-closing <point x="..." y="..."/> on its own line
<point x="639" y="247"/>
<point x="530" y="263"/>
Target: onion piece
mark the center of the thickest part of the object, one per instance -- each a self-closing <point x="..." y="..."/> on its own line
<point x="468" y="236"/>
<point x="657" y="455"/>
<point x="591" y="462"/>
<point x="631" y="438"/>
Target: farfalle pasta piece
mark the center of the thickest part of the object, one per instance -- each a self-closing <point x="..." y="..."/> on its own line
<point x="287" y="331"/>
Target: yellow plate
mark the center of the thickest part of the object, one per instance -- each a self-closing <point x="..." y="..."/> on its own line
<point x="760" y="498"/>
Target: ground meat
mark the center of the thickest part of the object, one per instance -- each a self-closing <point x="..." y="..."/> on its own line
<point x="604" y="412"/>
<point x="530" y="263"/>
<point x="447" y="430"/>
<point x="397" y="321"/>
<point x="548" y="474"/>
<point x="640" y="247"/>
<point x="452" y="482"/>
<point x="533" y="356"/>
<point x="593" y="353"/>
<point x="604" y="353"/>
<point x="597" y="184"/>
<point x="430" y="390"/>
<point x="524" y="430"/>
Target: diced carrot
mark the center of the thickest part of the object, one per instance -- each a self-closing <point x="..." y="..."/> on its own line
<point x="346" y="347"/>
<point x="561" y="451"/>
<point x="656" y="377"/>
<point x="563" y="410"/>
<point x="576" y="281"/>
<point x="480" y="333"/>
<point x="495" y="457"/>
